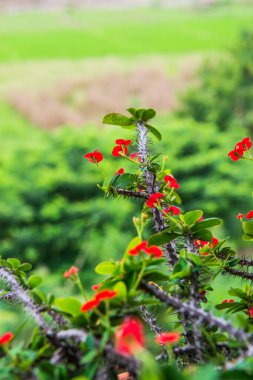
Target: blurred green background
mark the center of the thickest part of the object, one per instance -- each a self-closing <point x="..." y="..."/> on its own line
<point x="62" y="70"/>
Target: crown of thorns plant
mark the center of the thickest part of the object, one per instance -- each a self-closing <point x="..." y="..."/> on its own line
<point x="149" y="315"/>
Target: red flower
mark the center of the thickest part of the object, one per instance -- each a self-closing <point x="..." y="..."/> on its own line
<point x="6" y="338"/>
<point x="119" y="151"/>
<point x="123" y="142"/>
<point x="226" y="301"/>
<point x="200" y="218"/>
<point x="249" y="215"/>
<point x="244" y="145"/>
<point x="215" y="241"/>
<point x="173" y="210"/>
<point x="99" y="297"/>
<point x="73" y="270"/>
<point x="121" y="148"/>
<point x="153" y="199"/>
<point x="251" y="311"/>
<point x="172" y="182"/>
<point x="96" y="287"/>
<point x="240" y="148"/>
<point x="235" y="154"/>
<point x="89" y="305"/>
<point x="94" y="157"/>
<point x="129" y="336"/>
<point x="140" y="247"/>
<point x="120" y="171"/>
<point x="240" y="216"/>
<point x="105" y="295"/>
<point x="167" y="338"/>
<point x="200" y="243"/>
<point x="143" y="246"/>
<point x="154" y="251"/>
<point x="135" y="156"/>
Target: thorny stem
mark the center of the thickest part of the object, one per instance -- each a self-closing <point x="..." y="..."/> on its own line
<point x="190" y="310"/>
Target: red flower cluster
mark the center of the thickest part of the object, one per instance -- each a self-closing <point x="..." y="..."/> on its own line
<point x="73" y="270"/>
<point x="121" y="148"/>
<point x="172" y="210"/>
<point x="226" y="301"/>
<point x="249" y="215"/>
<point x="129" y="336"/>
<point x="6" y="338"/>
<point x="154" y="199"/>
<point x="97" y="299"/>
<point x="94" y="157"/>
<point x="143" y="246"/>
<point x="120" y="171"/>
<point x="173" y="184"/>
<point x="240" y="148"/>
<point x="167" y="338"/>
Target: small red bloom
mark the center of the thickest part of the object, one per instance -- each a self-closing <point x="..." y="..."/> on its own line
<point x="173" y="184"/>
<point x="119" y="150"/>
<point x="236" y="154"/>
<point x="123" y="142"/>
<point x="244" y="145"/>
<point x="173" y="210"/>
<point x="240" y="216"/>
<point x="215" y="241"/>
<point x="153" y="199"/>
<point x="73" y="270"/>
<point x="129" y="336"/>
<point x="96" y="287"/>
<point x="94" y="157"/>
<point x="120" y="171"/>
<point x="105" y="295"/>
<point x="140" y="247"/>
<point x="167" y="338"/>
<point x="251" y="311"/>
<point x="249" y="215"/>
<point x="134" y="156"/>
<point x="200" y="218"/>
<point x="200" y="243"/>
<point x="154" y="251"/>
<point x="89" y="305"/>
<point x="226" y="301"/>
<point x="6" y="338"/>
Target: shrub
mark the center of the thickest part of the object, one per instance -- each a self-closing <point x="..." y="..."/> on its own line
<point x="148" y="316"/>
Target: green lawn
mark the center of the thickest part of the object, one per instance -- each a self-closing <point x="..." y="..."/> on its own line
<point x="100" y="33"/>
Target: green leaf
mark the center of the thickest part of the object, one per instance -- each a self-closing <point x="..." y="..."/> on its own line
<point x="34" y="281"/>
<point x="106" y="267"/>
<point x="132" y="111"/>
<point x="226" y="305"/>
<point x="192" y="217"/>
<point x="25" y="267"/>
<point x="15" y="263"/>
<point x="206" y="223"/>
<point x="205" y="235"/>
<point x="68" y="305"/>
<point x="248" y="228"/>
<point x="148" y="114"/>
<point x="247" y="237"/>
<point x="154" y="131"/>
<point x="124" y="181"/>
<point x="121" y="290"/>
<point x="161" y="238"/>
<point x="117" y="119"/>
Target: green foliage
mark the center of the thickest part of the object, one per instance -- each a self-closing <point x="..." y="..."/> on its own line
<point x="224" y="92"/>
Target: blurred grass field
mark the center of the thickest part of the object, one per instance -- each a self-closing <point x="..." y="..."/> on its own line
<point x="99" y="33"/>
